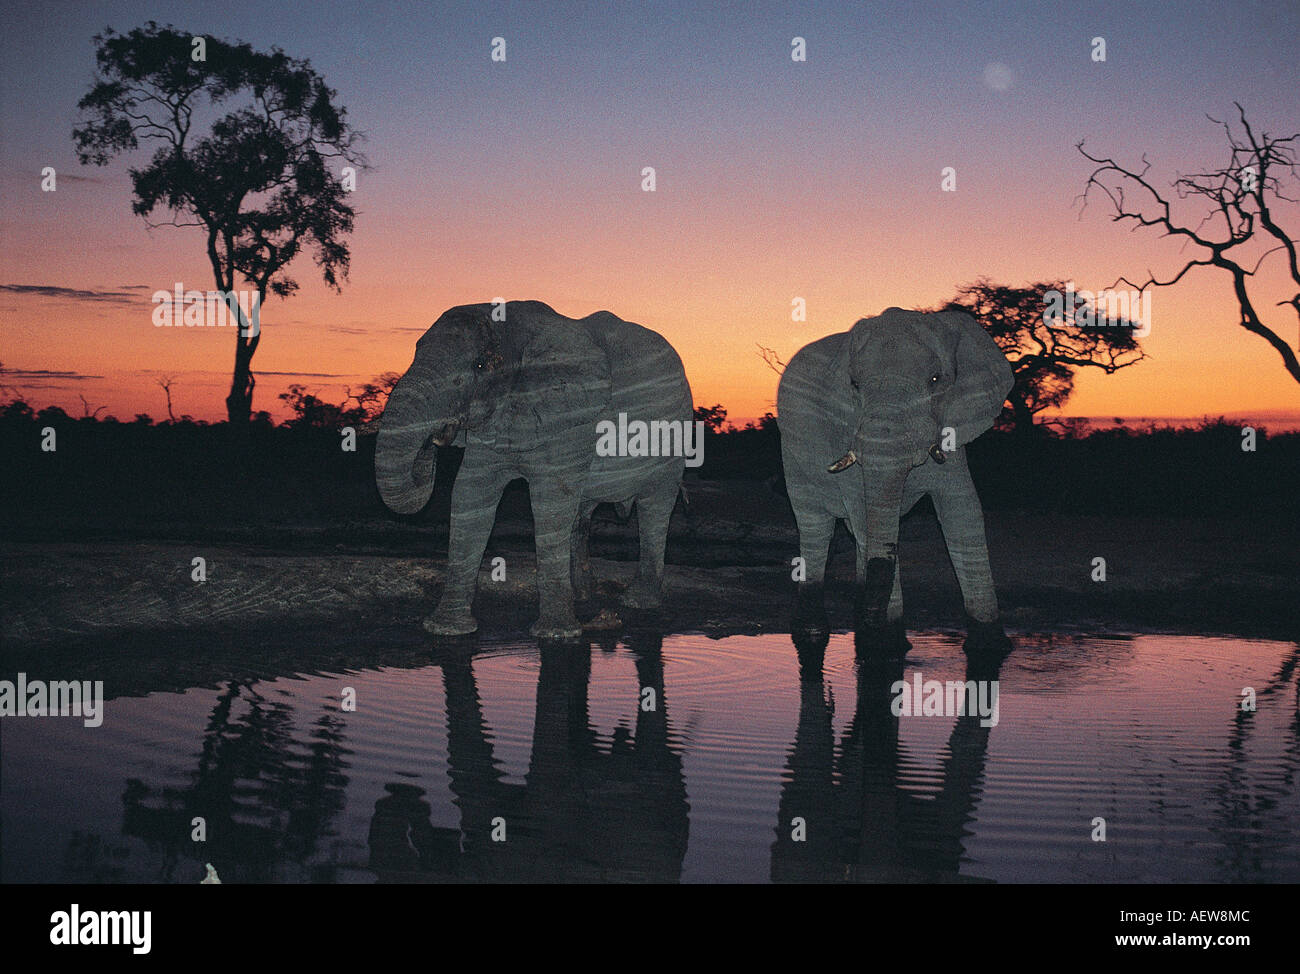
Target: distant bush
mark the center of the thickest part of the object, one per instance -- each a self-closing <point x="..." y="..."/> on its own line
<point x="1154" y="471"/>
<point x="117" y="474"/>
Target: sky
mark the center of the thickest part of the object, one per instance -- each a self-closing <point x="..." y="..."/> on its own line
<point x="775" y="180"/>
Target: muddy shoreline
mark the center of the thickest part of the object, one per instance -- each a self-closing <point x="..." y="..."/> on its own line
<point x="726" y="575"/>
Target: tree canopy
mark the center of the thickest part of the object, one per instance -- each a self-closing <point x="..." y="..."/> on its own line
<point x="1045" y="350"/>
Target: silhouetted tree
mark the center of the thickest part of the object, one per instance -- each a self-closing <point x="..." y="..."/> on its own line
<point x="259" y="185"/>
<point x="1237" y="216"/>
<point x="713" y="417"/>
<point x="268" y="791"/>
<point x="309" y="411"/>
<point x="86" y="411"/>
<point x="166" y="382"/>
<point x="1043" y="356"/>
<point x="52" y="414"/>
<point x="17" y="411"/>
<point x="374" y="395"/>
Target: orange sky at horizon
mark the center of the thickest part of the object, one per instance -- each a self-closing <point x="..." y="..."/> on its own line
<point x="1200" y="361"/>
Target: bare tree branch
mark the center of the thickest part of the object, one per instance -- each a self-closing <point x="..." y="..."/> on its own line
<point x="86" y="412"/>
<point x="771" y="359"/>
<point x="1239" y="200"/>
<point x="166" y="382"/>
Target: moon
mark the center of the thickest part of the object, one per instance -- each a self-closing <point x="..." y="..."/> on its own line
<point x="998" y="76"/>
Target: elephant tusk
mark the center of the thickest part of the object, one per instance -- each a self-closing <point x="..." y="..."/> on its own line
<point x="936" y="454"/>
<point x="445" y="435"/>
<point x="844" y="462"/>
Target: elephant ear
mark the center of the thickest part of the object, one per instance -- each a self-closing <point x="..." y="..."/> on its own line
<point x="558" y="379"/>
<point x="983" y="378"/>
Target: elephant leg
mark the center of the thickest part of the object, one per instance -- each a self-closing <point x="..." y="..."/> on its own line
<point x="652" y="515"/>
<point x="809" y="627"/>
<point x="584" y="585"/>
<point x="555" y="518"/>
<point x="474" y="500"/>
<point x="962" y="520"/>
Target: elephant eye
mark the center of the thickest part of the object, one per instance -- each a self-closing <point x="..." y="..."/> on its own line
<point x="934" y="378"/>
<point x="488" y="361"/>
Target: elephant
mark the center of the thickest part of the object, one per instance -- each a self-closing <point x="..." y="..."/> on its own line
<point x="871" y="420"/>
<point x="524" y="390"/>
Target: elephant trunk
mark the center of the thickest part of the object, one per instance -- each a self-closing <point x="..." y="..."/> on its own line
<point x="404" y="453"/>
<point x="886" y="447"/>
<point x="884" y="490"/>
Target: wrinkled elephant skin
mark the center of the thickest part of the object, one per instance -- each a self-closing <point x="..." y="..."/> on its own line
<point x="523" y="389"/>
<point x="871" y="420"/>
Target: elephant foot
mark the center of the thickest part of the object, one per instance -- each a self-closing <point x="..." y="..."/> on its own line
<point x="556" y="629"/>
<point x="887" y="641"/>
<point x="811" y="652"/>
<point x="810" y="624"/>
<point x="642" y="595"/>
<point x="986" y="639"/>
<point x="451" y="622"/>
<point x="809" y="627"/>
<point x="602" y="621"/>
<point x="810" y="635"/>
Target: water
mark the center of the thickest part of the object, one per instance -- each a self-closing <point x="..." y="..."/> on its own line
<point x="700" y="780"/>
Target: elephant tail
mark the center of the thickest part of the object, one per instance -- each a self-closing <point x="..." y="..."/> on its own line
<point x="624" y="508"/>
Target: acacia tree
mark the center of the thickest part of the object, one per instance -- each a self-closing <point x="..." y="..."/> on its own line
<point x="259" y="183"/>
<point x="1043" y="356"/>
<point x="373" y="397"/>
<point x="1236" y="229"/>
<point x="310" y="411"/>
<point x="713" y="417"/>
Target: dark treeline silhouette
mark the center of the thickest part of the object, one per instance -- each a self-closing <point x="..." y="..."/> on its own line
<point x="1157" y="470"/>
<point x="146" y="476"/>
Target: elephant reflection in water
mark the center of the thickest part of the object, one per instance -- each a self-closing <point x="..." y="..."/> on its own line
<point x="860" y="823"/>
<point x="584" y="813"/>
